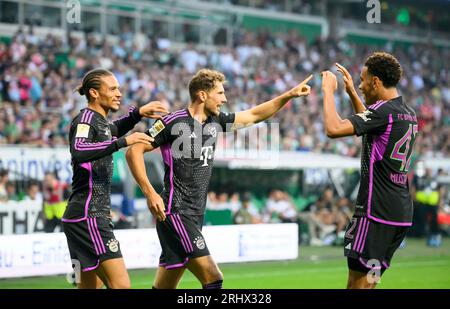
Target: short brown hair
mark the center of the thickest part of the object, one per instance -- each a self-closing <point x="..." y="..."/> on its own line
<point x="386" y="67"/>
<point x="205" y="80"/>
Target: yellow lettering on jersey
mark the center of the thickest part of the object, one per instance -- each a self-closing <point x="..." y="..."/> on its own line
<point x="82" y="130"/>
<point x="158" y="126"/>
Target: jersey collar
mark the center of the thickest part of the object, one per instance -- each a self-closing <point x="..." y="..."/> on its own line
<point x="208" y="119"/>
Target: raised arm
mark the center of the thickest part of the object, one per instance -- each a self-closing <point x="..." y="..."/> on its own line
<point x="267" y="109"/>
<point x="357" y="103"/>
<point x="135" y="159"/>
<point x="335" y="126"/>
<point x="127" y="122"/>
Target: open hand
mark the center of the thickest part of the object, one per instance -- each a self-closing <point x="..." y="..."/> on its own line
<point x="154" y="109"/>
<point x="138" y="137"/>
<point x="347" y="77"/>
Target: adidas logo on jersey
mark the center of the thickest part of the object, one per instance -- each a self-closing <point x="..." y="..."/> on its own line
<point x="193" y="135"/>
<point x="349" y="246"/>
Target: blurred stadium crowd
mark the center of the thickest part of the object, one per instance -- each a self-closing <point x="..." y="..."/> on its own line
<point x="37" y="103"/>
<point x="38" y="76"/>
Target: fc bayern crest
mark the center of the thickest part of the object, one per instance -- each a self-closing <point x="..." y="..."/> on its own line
<point x="212" y="131"/>
<point x="113" y="245"/>
<point x="200" y="242"/>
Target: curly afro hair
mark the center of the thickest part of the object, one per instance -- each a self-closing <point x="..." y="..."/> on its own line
<point x="386" y="67"/>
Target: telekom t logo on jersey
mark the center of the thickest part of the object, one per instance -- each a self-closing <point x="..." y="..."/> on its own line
<point x="206" y="154"/>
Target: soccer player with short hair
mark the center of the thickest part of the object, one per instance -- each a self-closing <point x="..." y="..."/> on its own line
<point x="187" y="141"/>
<point x="93" y="139"/>
<point x="383" y="211"/>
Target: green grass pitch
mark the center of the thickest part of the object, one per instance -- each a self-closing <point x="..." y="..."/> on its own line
<point x="413" y="267"/>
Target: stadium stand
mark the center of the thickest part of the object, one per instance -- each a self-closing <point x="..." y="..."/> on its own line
<point x="38" y="73"/>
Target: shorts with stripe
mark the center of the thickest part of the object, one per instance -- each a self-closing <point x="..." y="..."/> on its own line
<point x="91" y="242"/>
<point x="181" y="239"/>
<point x="371" y="244"/>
